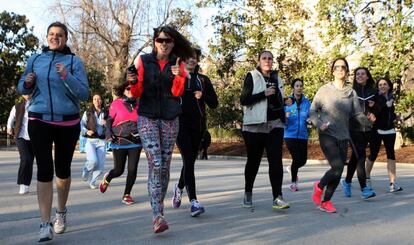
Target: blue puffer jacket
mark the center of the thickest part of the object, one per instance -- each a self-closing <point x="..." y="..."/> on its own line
<point x="295" y="126"/>
<point x="55" y="99"/>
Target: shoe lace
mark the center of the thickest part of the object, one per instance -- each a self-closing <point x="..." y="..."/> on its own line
<point x="60" y="217"/>
<point x="195" y="203"/>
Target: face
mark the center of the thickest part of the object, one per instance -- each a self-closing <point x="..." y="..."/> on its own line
<point x="163" y="44"/>
<point x="298" y="88"/>
<point x="266" y="62"/>
<point x="361" y="76"/>
<point x="127" y="91"/>
<point x="340" y="70"/>
<point x="383" y="87"/>
<point x="97" y="101"/>
<point x="56" y="38"/>
<point x="191" y="63"/>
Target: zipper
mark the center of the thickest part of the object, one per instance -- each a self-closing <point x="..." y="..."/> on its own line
<point x="48" y="84"/>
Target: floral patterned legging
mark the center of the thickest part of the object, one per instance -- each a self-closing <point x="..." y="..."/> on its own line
<point x="158" y="138"/>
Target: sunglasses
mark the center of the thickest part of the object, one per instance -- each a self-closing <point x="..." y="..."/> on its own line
<point x="340" y="67"/>
<point x="164" y="40"/>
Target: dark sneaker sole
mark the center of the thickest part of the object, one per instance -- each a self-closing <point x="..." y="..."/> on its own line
<point x="364" y="198"/>
<point x="197" y="213"/>
<point x="45" y="239"/>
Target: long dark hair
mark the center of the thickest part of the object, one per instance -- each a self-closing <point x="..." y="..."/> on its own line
<point x="182" y="47"/>
<point x="388" y="81"/>
<point x="119" y="88"/>
<point x="370" y="81"/>
<point x="344" y="60"/>
<point x="292" y="84"/>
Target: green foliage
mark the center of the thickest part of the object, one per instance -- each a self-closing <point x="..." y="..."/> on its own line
<point x="16" y="44"/>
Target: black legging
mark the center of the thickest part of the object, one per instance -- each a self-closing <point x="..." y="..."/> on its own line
<point x="188" y="141"/>
<point x="389" y="141"/>
<point x="255" y="144"/>
<point x="24" y="176"/>
<point x="298" y="148"/>
<point x="64" y="138"/>
<point x="360" y="140"/>
<point x="120" y="157"/>
<point x="335" y="152"/>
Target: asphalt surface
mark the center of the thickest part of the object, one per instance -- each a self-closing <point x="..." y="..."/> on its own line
<point x="95" y="218"/>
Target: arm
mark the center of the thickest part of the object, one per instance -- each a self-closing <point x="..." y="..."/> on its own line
<point x="11" y="120"/>
<point x="84" y="130"/>
<point x="358" y="113"/>
<point x="210" y="96"/>
<point x="247" y="98"/>
<point x="314" y="111"/>
<point x="179" y="81"/>
<point x="22" y="87"/>
<point x="77" y="83"/>
<point x="136" y="89"/>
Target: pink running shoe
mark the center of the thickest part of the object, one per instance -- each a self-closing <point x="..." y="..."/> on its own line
<point x="160" y="224"/>
<point x="327" y="207"/>
<point x="317" y="194"/>
<point x="104" y="184"/>
<point x="293" y="187"/>
<point x="127" y="199"/>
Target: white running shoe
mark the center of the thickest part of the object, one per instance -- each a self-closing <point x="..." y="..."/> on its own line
<point x="24" y="189"/>
<point x="46" y="232"/>
<point x="60" y="222"/>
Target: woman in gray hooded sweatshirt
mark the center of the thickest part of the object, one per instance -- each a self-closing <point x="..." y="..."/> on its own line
<point x="333" y="106"/>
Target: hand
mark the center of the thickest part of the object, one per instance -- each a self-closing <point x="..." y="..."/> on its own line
<point x="90" y="132"/>
<point x="371" y="103"/>
<point x="30" y="80"/>
<point x="324" y="126"/>
<point x="371" y="117"/>
<point x="270" y="90"/>
<point x="9" y="131"/>
<point x="288" y="101"/>
<point x="61" y="69"/>
<point x="309" y="121"/>
<point x="175" y="69"/>
<point x="390" y="102"/>
<point x="198" y="94"/>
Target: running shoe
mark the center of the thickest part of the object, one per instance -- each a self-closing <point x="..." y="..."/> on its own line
<point x="327" y="207"/>
<point x="196" y="208"/>
<point x="127" y="199"/>
<point x="346" y="187"/>
<point x="24" y="189"/>
<point x="160" y="224"/>
<point x="85" y="175"/>
<point x="46" y="232"/>
<point x="317" y="194"/>
<point x="60" y="222"/>
<point x="395" y="188"/>
<point x="248" y="200"/>
<point x="279" y="203"/>
<point x="293" y="187"/>
<point x="176" y="199"/>
<point x="366" y="193"/>
<point x="104" y="184"/>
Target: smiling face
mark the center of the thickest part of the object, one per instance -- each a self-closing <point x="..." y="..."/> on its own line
<point x="340" y="70"/>
<point x="56" y="38"/>
<point x="163" y="44"/>
<point x="298" y="88"/>
<point x="191" y="63"/>
<point x="361" y="76"/>
<point x="266" y="62"/>
<point x="383" y="86"/>
<point x="97" y="101"/>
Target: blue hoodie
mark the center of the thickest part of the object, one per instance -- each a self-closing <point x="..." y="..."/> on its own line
<point x="295" y="126"/>
<point x="55" y="99"/>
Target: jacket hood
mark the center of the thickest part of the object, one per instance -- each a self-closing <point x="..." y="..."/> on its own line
<point x="65" y="50"/>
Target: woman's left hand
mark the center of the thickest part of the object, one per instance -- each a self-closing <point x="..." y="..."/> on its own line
<point x="198" y="94"/>
<point x="175" y="69"/>
<point x="61" y="69"/>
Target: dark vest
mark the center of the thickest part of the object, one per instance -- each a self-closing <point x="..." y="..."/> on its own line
<point x="20" y="110"/>
<point x="91" y="122"/>
<point x="157" y="101"/>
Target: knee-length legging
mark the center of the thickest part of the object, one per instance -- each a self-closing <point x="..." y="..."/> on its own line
<point x="158" y="138"/>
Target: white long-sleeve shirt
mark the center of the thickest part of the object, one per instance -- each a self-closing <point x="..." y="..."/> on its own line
<point x="23" y="129"/>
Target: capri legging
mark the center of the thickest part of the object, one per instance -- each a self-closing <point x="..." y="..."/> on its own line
<point x="43" y="135"/>
<point x="389" y="141"/>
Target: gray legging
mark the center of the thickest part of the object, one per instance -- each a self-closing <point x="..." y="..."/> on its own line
<point x="335" y="152"/>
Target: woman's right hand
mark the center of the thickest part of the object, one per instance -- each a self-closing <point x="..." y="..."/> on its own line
<point x="90" y="132"/>
<point x="269" y="91"/>
<point x="30" y="80"/>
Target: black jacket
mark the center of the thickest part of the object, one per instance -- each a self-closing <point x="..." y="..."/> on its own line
<point x="365" y="94"/>
<point x="386" y="116"/>
<point x="194" y="110"/>
<point x="157" y="100"/>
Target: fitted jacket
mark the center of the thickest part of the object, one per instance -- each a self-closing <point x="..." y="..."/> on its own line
<point x="365" y="94"/>
<point x="296" y="125"/>
<point x="55" y="98"/>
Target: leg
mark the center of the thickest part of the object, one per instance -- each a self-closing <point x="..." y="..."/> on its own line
<point x="389" y="142"/>
<point x="254" y="146"/>
<point x="133" y="159"/>
<point x="374" y="147"/>
<point x="120" y="157"/>
<point x="91" y="159"/>
<point x="100" y="164"/>
<point x="274" y="144"/>
<point x="41" y="136"/>
<point x="26" y="162"/>
<point x="361" y="148"/>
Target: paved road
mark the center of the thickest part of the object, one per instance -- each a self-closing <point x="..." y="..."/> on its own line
<point x="96" y="218"/>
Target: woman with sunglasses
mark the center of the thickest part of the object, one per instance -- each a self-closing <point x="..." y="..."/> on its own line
<point x="361" y="133"/>
<point x="121" y="130"/>
<point x="159" y="83"/>
<point x="263" y="123"/>
<point x="296" y="131"/>
<point x="198" y="92"/>
<point x="333" y="106"/>
<point x="384" y="131"/>
<point x="57" y="80"/>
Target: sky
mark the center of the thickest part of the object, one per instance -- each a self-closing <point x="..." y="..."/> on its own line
<point x="36" y="11"/>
